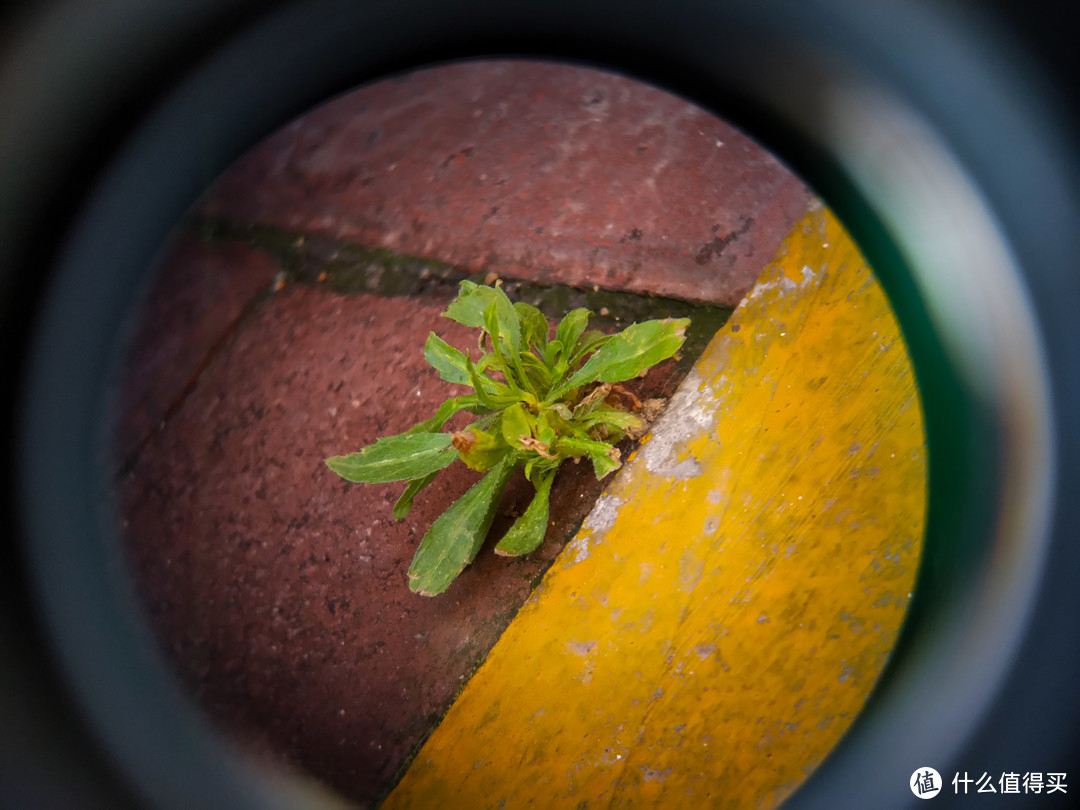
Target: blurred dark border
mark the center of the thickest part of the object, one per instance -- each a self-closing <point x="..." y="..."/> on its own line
<point x="75" y="79"/>
<point x="106" y="65"/>
<point x="1047" y="30"/>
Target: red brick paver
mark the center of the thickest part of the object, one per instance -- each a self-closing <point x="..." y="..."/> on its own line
<point x="195" y="300"/>
<point x="529" y="170"/>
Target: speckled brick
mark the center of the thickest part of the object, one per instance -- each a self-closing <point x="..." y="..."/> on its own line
<point x="195" y="300"/>
<point x="529" y="170"/>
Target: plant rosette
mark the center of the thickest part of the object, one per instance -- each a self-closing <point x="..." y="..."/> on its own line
<point x="539" y="400"/>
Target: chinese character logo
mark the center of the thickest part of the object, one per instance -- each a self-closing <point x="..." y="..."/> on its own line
<point x="925" y="783"/>
<point x="1011" y="782"/>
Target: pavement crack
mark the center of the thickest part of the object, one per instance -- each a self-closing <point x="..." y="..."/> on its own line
<point x="350" y="268"/>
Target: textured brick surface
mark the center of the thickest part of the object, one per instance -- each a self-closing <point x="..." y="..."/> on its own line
<point x="196" y="299"/>
<point x="529" y="170"/>
<point x="278" y="591"/>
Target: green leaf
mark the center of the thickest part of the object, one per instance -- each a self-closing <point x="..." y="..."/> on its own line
<point x="486" y="361"/>
<point x="445" y="359"/>
<point x="589" y="342"/>
<point x="552" y="354"/>
<point x="487" y="420"/>
<point x="612" y="417"/>
<point x="468" y="308"/>
<point x="471" y="304"/>
<point x="517" y="423"/>
<point x="570" y="328"/>
<point x="479" y="449"/>
<point x="396" y="458"/>
<point x="532" y="409"/>
<point x="538" y="465"/>
<point x="483" y="364"/>
<point x="561" y="410"/>
<point x="446" y="410"/>
<point x="633" y="350"/>
<point x="528" y="531"/>
<point x="509" y="323"/>
<point x="549" y="425"/>
<point x="557" y="421"/>
<point x="604" y="464"/>
<point x="511" y="370"/>
<point x="405" y="502"/>
<point x="535" y="370"/>
<point x="455" y="537"/>
<point x="490" y="393"/>
<point x="534" y="326"/>
<point x="604" y="457"/>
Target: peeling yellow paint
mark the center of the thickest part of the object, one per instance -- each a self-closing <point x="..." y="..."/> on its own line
<point x="722" y="615"/>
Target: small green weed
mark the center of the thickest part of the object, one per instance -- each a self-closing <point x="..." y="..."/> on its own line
<point x="539" y="401"/>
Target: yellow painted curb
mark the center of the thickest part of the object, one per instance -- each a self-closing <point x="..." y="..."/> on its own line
<point x="725" y="610"/>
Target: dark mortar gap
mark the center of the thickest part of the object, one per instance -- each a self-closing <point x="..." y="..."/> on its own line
<point x="434" y="720"/>
<point x="343" y="267"/>
<point x="346" y="268"/>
